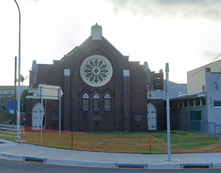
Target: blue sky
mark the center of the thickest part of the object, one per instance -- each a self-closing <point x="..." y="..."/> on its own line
<point x="184" y="33"/>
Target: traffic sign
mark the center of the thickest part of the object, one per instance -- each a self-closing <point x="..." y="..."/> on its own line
<point x="50" y="92"/>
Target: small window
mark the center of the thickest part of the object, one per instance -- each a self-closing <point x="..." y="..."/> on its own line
<point x="185" y="103"/>
<point x="191" y="103"/>
<point x="180" y="103"/>
<point x="107" y="102"/>
<point x="197" y="101"/>
<point x="85" y="96"/>
<point x="96" y="102"/>
<point x="173" y="104"/>
<point x="96" y="105"/>
<point x="217" y="103"/>
<point x="85" y="102"/>
<point x="85" y="105"/>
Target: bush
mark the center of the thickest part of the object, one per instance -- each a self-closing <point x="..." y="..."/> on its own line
<point x="4" y="116"/>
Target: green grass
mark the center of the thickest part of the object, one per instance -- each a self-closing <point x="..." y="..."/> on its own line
<point x="188" y="139"/>
<point x="183" y="139"/>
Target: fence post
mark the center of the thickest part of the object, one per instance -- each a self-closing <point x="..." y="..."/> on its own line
<point x="72" y="140"/>
<point x="215" y="129"/>
<point x="150" y="142"/>
<point x="201" y="126"/>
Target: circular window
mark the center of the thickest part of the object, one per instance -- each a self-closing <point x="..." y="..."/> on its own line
<point x="96" y="70"/>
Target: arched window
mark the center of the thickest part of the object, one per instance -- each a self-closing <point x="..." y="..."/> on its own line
<point x="107" y="102"/>
<point x="96" y="102"/>
<point x="85" y="102"/>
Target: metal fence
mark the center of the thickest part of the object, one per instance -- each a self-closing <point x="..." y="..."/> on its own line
<point x="102" y="142"/>
<point x="210" y="128"/>
<point x="9" y="131"/>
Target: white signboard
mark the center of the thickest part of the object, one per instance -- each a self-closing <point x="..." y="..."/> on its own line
<point x="54" y="93"/>
<point x="50" y="92"/>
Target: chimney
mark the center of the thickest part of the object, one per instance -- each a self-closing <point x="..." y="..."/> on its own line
<point x="207" y="69"/>
<point x="96" y="32"/>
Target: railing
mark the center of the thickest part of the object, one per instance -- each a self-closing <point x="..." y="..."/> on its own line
<point x="11" y="132"/>
<point x="210" y="128"/>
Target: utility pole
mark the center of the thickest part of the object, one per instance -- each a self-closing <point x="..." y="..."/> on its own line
<point x="168" y="111"/>
<point x="15" y="88"/>
<point x="19" y="73"/>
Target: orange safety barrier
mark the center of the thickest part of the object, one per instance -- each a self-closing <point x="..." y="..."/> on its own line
<point x="108" y="143"/>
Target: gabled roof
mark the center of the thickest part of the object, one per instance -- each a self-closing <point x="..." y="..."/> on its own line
<point x="42" y="70"/>
<point x="40" y="74"/>
<point x="72" y="51"/>
<point x="96" y="34"/>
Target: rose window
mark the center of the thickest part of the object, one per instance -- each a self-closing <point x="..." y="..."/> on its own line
<point x="96" y="70"/>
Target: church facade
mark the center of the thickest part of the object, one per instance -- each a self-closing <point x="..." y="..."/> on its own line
<point x="102" y="91"/>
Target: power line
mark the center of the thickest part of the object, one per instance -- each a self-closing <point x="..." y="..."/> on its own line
<point x="198" y="71"/>
<point x="218" y="75"/>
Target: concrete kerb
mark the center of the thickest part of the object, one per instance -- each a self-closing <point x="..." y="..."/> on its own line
<point x="11" y="156"/>
<point x="163" y="166"/>
<point x="216" y="165"/>
<point x="89" y="163"/>
<point x="80" y="163"/>
<point x="166" y="165"/>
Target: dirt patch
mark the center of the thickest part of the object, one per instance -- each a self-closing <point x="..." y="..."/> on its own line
<point x="104" y="143"/>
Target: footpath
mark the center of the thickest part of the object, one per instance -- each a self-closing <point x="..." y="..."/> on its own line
<point x="26" y="152"/>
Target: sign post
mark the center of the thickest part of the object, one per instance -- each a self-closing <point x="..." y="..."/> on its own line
<point x="59" y="90"/>
<point x="41" y="95"/>
<point x="50" y="92"/>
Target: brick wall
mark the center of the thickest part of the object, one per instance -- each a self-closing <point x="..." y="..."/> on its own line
<point x="128" y="95"/>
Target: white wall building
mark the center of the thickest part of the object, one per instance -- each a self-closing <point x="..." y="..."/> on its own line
<point x="200" y="109"/>
<point x="196" y="80"/>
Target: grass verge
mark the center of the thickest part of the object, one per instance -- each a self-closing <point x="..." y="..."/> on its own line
<point x="154" y="143"/>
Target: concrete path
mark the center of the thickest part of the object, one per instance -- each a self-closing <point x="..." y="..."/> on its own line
<point x="27" y="152"/>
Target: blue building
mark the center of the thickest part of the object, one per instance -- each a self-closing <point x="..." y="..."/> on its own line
<point x="7" y="94"/>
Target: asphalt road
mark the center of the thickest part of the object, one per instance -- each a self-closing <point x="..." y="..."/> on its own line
<point x="10" y="166"/>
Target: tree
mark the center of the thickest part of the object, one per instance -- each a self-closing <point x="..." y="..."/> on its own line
<point x="23" y="98"/>
<point x="3" y="107"/>
<point x="22" y="79"/>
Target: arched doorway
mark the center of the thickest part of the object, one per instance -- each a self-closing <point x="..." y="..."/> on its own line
<point x="151" y="117"/>
<point x="36" y="115"/>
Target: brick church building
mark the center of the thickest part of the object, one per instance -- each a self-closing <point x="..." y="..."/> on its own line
<point x="102" y="91"/>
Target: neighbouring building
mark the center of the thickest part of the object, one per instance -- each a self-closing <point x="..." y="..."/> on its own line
<point x="200" y="109"/>
<point x="7" y="96"/>
<point x="176" y="90"/>
<point x="102" y="91"/>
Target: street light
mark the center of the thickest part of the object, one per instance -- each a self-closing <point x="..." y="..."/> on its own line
<point x="19" y="65"/>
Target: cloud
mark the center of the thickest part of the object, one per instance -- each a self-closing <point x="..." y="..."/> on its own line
<point x="196" y="9"/>
<point x="211" y="55"/>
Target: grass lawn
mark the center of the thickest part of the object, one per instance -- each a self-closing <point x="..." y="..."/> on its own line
<point x="178" y="138"/>
<point x="135" y="142"/>
<point x="188" y="139"/>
